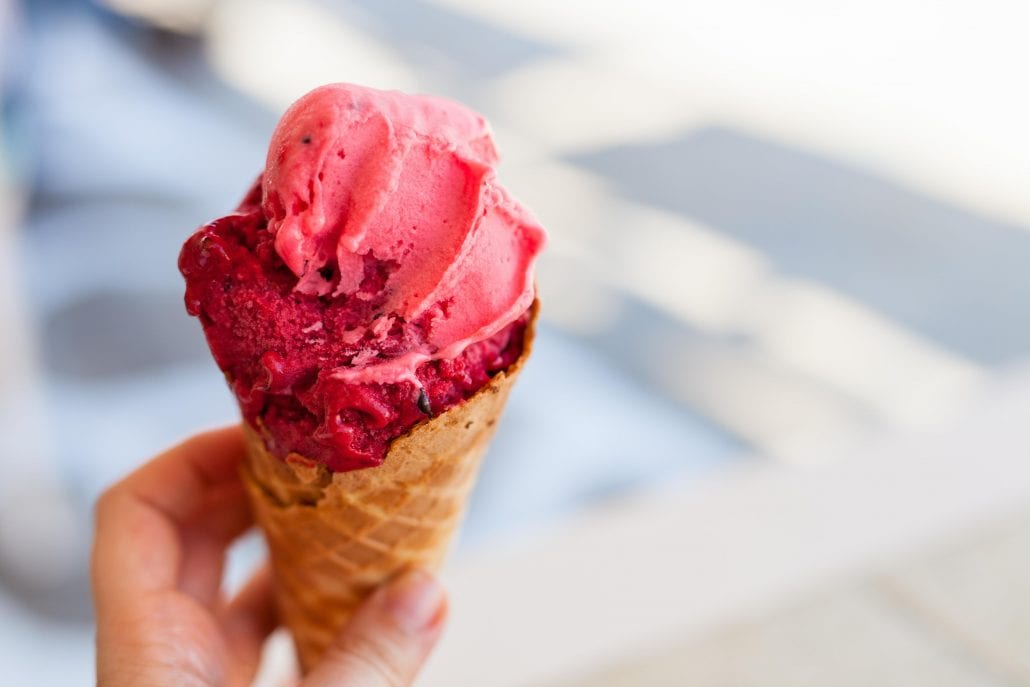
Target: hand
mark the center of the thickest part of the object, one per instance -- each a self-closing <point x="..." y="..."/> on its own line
<point x="158" y="553"/>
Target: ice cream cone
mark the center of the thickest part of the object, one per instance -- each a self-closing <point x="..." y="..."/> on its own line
<point x="333" y="537"/>
<point x="376" y="273"/>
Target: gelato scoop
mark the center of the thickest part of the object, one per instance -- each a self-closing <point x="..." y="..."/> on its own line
<point x="375" y="275"/>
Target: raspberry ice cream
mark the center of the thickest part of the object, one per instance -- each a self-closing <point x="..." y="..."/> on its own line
<point x="375" y="275"/>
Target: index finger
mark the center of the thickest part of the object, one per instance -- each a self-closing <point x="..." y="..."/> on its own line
<point x="140" y="520"/>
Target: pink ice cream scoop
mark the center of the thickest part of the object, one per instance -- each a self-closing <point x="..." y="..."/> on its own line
<point x="377" y="273"/>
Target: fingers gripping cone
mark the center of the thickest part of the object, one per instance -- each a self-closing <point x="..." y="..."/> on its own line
<point x="334" y="537"/>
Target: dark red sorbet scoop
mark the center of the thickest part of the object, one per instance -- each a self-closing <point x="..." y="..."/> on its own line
<point x="279" y="347"/>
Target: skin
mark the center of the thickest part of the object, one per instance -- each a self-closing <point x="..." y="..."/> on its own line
<point x="158" y="556"/>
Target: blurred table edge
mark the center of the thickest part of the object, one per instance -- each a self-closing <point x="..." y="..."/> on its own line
<point x="618" y="579"/>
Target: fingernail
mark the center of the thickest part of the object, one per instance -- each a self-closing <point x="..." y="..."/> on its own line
<point x="415" y="600"/>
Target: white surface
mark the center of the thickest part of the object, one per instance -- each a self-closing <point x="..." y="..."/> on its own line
<point x="666" y="563"/>
<point x="854" y="637"/>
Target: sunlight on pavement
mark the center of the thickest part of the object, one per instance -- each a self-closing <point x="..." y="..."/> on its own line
<point x="246" y="42"/>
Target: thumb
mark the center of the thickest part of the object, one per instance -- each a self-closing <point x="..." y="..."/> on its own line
<point x="389" y="637"/>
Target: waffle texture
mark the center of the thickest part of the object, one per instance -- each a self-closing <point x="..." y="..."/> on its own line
<point x="334" y="537"/>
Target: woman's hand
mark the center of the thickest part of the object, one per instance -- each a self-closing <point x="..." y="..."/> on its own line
<point x="158" y="554"/>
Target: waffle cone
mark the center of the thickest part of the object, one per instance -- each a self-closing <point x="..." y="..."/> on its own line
<point x="334" y="537"/>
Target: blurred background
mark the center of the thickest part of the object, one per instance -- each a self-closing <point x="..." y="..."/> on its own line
<point x="777" y="425"/>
